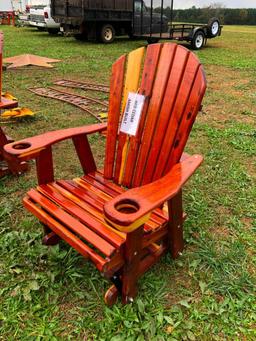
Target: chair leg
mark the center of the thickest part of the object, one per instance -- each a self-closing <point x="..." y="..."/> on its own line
<point x="17" y="168"/>
<point x="176" y="225"/>
<point x="111" y="295"/>
<point x="50" y="238"/>
<point x="6" y="166"/>
<point x="133" y="247"/>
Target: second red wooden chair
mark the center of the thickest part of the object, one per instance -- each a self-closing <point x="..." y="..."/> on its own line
<point x="14" y="166"/>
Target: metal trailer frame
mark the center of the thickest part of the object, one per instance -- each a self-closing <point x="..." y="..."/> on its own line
<point x="180" y="32"/>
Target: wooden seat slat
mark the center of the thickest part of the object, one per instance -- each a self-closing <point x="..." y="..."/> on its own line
<point x="98" y="175"/>
<point x="82" y="193"/>
<point x="7" y="103"/>
<point x="83" y="210"/>
<point x="155" y="221"/>
<point x="103" y="195"/>
<point x="157" y="215"/>
<point x="72" y="223"/>
<point x="64" y="233"/>
<point x="74" y="188"/>
<point x="85" y="213"/>
<point x="102" y="187"/>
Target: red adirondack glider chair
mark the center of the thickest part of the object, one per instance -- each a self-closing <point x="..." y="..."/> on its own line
<point x="115" y="217"/>
<point x="5" y="103"/>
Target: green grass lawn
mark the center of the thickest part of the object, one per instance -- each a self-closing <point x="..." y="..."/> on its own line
<point x="209" y="292"/>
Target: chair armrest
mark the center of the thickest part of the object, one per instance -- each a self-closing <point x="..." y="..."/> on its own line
<point x="29" y="148"/>
<point x="131" y="209"/>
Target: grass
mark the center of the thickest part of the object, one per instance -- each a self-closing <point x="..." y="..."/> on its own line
<point x="209" y="292"/>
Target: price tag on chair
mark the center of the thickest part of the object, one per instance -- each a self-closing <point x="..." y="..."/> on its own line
<point x="132" y="113"/>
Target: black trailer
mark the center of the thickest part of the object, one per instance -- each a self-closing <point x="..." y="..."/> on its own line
<point x="150" y="19"/>
<point x="196" y="34"/>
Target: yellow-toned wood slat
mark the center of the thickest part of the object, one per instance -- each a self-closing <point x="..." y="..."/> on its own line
<point x="133" y="73"/>
<point x="133" y="70"/>
<point x="85" y="205"/>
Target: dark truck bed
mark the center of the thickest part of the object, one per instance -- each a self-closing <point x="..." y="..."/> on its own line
<point x="79" y="10"/>
<point x="94" y="19"/>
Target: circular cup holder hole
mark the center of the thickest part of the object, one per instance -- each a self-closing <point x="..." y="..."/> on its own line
<point x="127" y="206"/>
<point x="23" y="145"/>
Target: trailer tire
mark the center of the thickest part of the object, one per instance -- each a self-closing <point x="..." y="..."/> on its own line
<point x="198" y="40"/>
<point x="213" y="27"/>
<point x="107" y="34"/>
<point x="83" y="33"/>
<point x="53" y="30"/>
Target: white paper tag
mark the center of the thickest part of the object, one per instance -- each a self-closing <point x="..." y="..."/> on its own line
<point x="132" y="113"/>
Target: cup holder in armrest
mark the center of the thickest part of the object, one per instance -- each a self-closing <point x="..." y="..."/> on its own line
<point x="127" y="206"/>
<point x="21" y="146"/>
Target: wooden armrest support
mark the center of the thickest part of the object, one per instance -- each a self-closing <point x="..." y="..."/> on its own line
<point x="132" y="208"/>
<point x="30" y="148"/>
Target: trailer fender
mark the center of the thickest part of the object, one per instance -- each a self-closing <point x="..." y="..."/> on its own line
<point x="195" y="30"/>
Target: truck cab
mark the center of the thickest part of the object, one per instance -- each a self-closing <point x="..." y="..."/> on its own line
<point x="40" y="17"/>
<point x="36" y="17"/>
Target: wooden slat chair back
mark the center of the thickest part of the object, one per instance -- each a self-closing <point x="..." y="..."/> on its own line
<point x="115" y="217"/>
<point x="172" y="80"/>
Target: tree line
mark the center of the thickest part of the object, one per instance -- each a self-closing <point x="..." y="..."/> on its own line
<point x="228" y="16"/>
